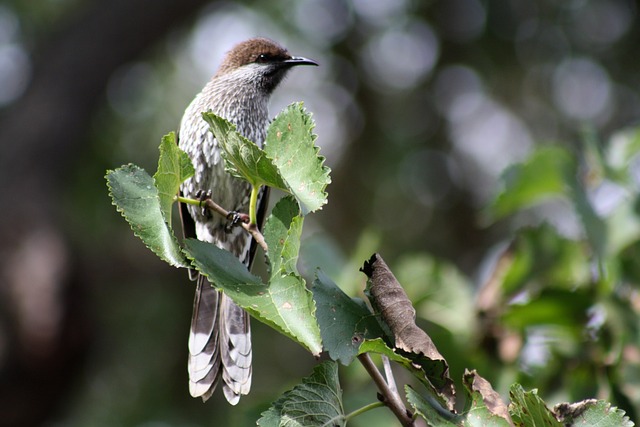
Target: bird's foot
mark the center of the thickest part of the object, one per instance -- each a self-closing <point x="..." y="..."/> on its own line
<point x="235" y="219"/>
<point x="203" y="196"/>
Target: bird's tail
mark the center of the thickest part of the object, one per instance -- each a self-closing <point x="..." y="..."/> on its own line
<point x="219" y="345"/>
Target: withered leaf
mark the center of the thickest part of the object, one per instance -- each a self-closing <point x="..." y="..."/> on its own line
<point x="396" y="310"/>
<point x="474" y="383"/>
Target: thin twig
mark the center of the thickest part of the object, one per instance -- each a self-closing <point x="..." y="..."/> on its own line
<point x="251" y="228"/>
<point x="391" y="399"/>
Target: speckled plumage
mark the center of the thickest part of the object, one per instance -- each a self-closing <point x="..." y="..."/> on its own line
<point x="220" y="336"/>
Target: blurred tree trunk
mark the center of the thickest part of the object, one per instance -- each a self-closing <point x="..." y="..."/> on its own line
<point x="44" y="330"/>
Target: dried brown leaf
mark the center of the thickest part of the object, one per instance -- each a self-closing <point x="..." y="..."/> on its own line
<point x="397" y="310"/>
<point x="490" y="398"/>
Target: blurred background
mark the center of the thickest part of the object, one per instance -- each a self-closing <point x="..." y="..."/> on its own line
<point x="419" y="108"/>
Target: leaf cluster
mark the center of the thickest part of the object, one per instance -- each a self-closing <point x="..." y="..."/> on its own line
<point x="325" y="319"/>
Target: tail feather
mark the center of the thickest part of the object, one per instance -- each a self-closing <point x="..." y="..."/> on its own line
<point x="204" y="353"/>
<point x="235" y="350"/>
<point x="219" y="345"/>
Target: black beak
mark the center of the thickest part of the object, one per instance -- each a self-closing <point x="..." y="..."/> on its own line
<point x="299" y="60"/>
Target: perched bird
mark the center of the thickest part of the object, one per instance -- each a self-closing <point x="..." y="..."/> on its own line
<point x="220" y="336"/>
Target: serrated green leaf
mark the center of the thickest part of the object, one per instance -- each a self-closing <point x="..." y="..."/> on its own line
<point x="542" y="176"/>
<point x="243" y="158"/>
<point x="528" y="409"/>
<point x="291" y="145"/>
<point x="174" y="167"/>
<point x="285" y="304"/>
<point x="592" y="413"/>
<point x="424" y="406"/>
<point x="135" y="196"/>
<point x="282" y="232"/>
<point x="317" y="401"/>
<point x="344" y="322"/>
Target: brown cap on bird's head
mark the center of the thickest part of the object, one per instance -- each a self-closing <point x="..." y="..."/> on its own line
<point x="263" y="51"/>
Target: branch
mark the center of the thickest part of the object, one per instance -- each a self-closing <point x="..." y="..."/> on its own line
<point x="250" y="227"/>
<point x="391" y="399"/>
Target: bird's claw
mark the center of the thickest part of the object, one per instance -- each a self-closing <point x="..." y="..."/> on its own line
<point x="203" y="196"/>
<point x="235" y="219"/>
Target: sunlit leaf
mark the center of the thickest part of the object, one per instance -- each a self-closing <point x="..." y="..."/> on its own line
<point x="174" y="167"/>
<point x="542" y="176"/>
<point x="286" y="304"/>
<point x="135" y="196"/>
<point x="291" y="145"/>
<point x="243" y="158"/>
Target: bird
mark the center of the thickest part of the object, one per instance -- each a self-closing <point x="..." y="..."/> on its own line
<point x="220" y="334"/>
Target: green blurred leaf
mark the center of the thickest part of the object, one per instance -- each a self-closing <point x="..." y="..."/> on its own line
<point x="439" y="292"/>
<point x="344" y="322"/>
<point x="285" y="305"/>
<point x="291" y="145"/>
<point x="174" y="167"/>
<point x="135" y="196"/>
<point x="594" y="226"/>
<point x="622" y="148"/>
<point x="540" y="255"/>
<point x="550" y="307"/>
<point x="527" y="409"/>
<point x="541" y="176"/>
<point x="317" y="401"/>
<point x="243" y="158"/>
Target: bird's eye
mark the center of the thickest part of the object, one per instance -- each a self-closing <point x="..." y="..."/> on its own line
<point x="264" y="57"/>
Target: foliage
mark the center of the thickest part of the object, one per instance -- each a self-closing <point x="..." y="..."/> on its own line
<point x="540" y="283"/>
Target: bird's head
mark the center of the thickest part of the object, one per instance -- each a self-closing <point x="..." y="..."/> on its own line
<point x="260" y="62"/>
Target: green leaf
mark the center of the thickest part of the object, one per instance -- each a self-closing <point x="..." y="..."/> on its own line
<point x="439" y="291"/>
<point x="593" y="413"/>
<point x="430" y="410"/>
<point x="541" y="255"/>
<point x="291" y="145"/>
<point x="551" y="307"/>
<point x="542" y="176"/>
<point x="282" y="232"/>
<point x="344" y="322"/>
<point x="285" y="304"/>
<point x="594" y="226"/>
<point x="528" y="409"/>
<point x="243" y="158"/>
<point x="317" y="401"/>
<point x="135" y="196"/>
<point x="174" y="167"/>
